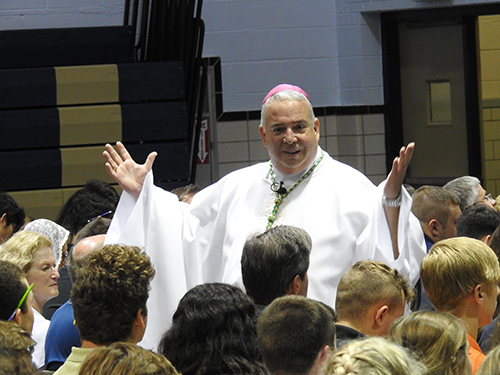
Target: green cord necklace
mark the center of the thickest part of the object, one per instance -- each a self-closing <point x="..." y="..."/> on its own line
<point x="279" y="197"/>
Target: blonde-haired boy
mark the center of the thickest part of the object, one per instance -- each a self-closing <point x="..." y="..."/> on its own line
<point x="461" y="277"/>
<point x="370" y="296"/>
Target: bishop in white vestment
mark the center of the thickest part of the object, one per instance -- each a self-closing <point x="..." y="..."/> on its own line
<point x="347" y="217"/>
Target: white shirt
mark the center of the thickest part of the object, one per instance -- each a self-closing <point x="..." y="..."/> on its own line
<point x="40" y="327"/>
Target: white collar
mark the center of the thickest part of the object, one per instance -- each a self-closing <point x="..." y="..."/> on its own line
<point x="290" y="179"/>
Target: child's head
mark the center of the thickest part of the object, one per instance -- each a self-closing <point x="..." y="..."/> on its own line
<point x="454" y="268"/>
<point x="438" y="339"/>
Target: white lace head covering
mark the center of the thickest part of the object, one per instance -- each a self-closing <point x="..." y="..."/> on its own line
<point x="56" y="233"/>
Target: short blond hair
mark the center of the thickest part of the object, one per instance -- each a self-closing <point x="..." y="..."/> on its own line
<point x="20" y="249"/>
<point x="367" y="283"/>
<point x="454" y="267"/>
<point x="373" y="356"/>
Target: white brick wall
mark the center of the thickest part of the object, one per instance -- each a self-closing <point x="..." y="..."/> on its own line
<point x="355" y="140"/>
<point x="266" y="42"/>
<point x="37" y="14"/>
<point x="330" y="48"/>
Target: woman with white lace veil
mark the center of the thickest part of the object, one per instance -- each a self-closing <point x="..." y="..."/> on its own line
<point x="57" y="234"/>
<point x="32" y="253"/>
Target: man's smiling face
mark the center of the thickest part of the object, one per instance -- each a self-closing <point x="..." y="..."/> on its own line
<point x="289" y="135"/>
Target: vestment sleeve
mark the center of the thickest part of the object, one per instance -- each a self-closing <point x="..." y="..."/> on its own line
<point x="154" y="221"/>
<point x="376" y="238"/>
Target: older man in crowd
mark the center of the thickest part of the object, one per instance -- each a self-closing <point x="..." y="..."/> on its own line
<point x="470" y="191"/>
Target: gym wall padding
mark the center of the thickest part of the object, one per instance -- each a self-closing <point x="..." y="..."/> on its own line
<point x="65" y="47"/>
<point x="64" y="93"/>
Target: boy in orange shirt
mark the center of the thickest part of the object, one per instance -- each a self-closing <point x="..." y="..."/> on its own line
<point x="461" y="277"/>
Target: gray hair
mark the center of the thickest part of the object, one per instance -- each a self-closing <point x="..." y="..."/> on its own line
<point x="466" y="189"/>
<point x="281" y="96"/>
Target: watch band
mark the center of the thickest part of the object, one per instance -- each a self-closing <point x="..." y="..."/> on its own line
<point x="392" y="202"/>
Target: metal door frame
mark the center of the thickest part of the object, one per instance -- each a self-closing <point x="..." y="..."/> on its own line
<point x="467" y="15"/>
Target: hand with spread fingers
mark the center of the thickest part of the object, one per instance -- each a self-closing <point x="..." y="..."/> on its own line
<point x="124" y="170"/>
<point x="392" y="192"/>
<point x="397" y="175"/>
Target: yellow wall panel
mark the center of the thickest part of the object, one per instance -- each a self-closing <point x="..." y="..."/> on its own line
<point x="495" y="113"/>
<point x="46" y="204"/>
<point x="489" y="44"/>
<point x="87" y="84"/>
<point x="487" y="114"/>
<point x="488" y="150"/>
<point x="490" y="186"/>
<point x="492" y="169"/>
<point x="496" y="148"/>
<point x="491" y="130"/>
<point x="80" y="164"/>
<point x="489" y="27"/>
<point x="40" y="203"/>
<point x="489" y="65"/>
<point x="491" y="90"/>
<point x="90" y="125"/>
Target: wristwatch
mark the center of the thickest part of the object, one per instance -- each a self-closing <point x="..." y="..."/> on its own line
<point x="392" y="202"/>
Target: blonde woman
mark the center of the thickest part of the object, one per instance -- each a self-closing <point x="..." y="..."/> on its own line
<point x="373" y="356"/>
<point x="58" y="235"/>
<point x="32" y="253"/>
<point x="437" y="339"/>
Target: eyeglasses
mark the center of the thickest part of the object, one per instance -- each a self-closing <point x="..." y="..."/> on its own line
<point x="21" y="302"/>
<point x="489" y="197"/>
<point x="98" y="216"/>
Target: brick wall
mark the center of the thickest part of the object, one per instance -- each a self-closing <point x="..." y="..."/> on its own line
<point x="36" y="14"/>
<point x="331" y="48"/>
<point x="355" y="139"/>
<point x="489" y="42"/>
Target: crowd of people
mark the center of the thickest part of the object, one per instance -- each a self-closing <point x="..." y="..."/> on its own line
<point x="298" y="266"/>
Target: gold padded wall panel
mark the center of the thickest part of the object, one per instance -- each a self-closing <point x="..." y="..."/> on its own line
<point x="46" y="204"/>
<point x="90" y="125"/>
<point x="40" y="203"/>
<point x="87" y="84"/>
<point x="80" y="164"/>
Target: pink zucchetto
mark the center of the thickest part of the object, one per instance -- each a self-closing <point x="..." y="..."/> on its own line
<point x="285" y="87"/>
